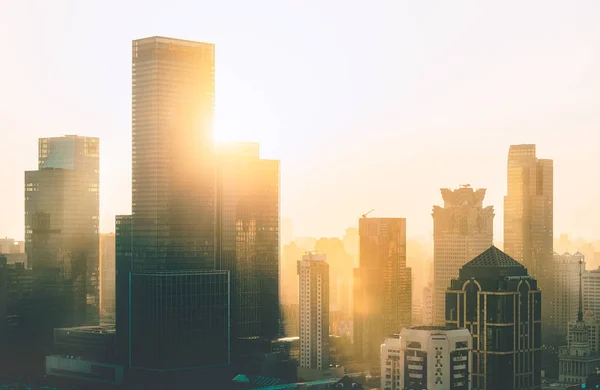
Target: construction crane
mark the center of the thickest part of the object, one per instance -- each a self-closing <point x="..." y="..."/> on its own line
<point x="365" y="214"/>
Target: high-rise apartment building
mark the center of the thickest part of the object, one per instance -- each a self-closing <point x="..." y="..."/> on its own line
<point x="528" y="217"/>
<point x="313" y="272"/>
<point x="427" y="309"/>
<point x="172" y="309"/>
<point x="382" y="285"/>
<point x="107" y="277"/>
<point x="61" y="231"/>
<point x="500" y="304"/>
<point x="565" y="290"/>
<point x="578" y="358"/>
<point x="462" y="229"/>
<point x="427" y="357"/>
<point x="248" y="239"/>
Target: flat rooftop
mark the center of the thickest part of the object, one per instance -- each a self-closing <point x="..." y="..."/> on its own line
<point x="96" y="329"/>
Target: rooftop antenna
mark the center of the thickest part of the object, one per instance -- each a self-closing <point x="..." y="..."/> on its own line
<point x="367" y="213"/>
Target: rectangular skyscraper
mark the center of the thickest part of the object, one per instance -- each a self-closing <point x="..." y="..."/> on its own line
<point x="61" y="230"/>
<point x="462" y="229"/>
<point x="172" y="153"/>
<point x="528" y="217"/>
<point x="248" y="239"/>
<point x="172" y="306"/>
<point x="313" y="272"/>
<point x="382" y="285"/>
<point x="500" y="304"/>
<point x="107" y="277"/>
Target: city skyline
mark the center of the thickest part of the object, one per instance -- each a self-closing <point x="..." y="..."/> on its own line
<point x="254" y="90"/>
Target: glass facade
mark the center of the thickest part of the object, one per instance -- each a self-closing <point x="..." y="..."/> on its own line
<point x="382" y="285"/>
<point x="528" y="218"/>
<point x="172" y="107"/>
<point x="501" y="305"/>
<point x="185" y="326"/>
<point x="61" y="230"/>
<point x="248" y="238"/>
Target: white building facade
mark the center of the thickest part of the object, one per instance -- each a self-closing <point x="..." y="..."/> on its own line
<point x="427" y="357"/>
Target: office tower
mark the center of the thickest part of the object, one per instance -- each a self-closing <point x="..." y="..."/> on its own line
<point x="313" y="272"/>
<point x="427" y="310"/>
<point x="172" y="309"/>
<point x="107" y="277"/>
<point x="528" y="217"/>
<point x="577" y="359"/>
<point x="500" y="304"/>
<point x="462" y="229"/>
<point x="61" y="230"/>
<point x="565" y="290"/>
<point x="432" y="357"/>
<point x="382" y="285"/>
<point x="248" y="239"/>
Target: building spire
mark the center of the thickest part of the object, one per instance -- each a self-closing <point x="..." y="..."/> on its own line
<point x="580" y="311"/>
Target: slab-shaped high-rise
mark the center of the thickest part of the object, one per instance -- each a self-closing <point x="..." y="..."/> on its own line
<point x="382" y="285"/>
<point x="61" y="231"/>
<point x="172" y="307"/>
<point x="462" y="229"/>
<point x="248" y="240"/>
<point x="528" y="217"/>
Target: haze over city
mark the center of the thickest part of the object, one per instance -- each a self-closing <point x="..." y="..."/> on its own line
<point x="367" y="106"/>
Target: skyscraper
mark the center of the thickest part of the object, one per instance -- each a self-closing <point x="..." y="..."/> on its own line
<point x="528" y="216"/>
<point x="427" y="357"/>
<point x="172" y="306"/>
<point x="565" y="290"/>
<point x="578" y="358"/>
<point x="313" y="272"/>
<point x="382" y="285"/>
<point x="61" y="231"/>
<point x="462" y="229"/>
<point x="500" y="304"/>
<point x="173" y="86"/>
<point x="107" y="277"/>
<point x="248" y="238"/>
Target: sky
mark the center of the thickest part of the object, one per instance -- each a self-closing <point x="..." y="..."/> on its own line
<point x="368" y="105"/>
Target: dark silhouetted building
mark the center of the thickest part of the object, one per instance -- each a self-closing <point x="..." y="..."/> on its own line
<point x="382" y="285"/>
<point x="462" y="229"/>
<point x="61" y="231"/>
<point x="500" y="304"/>
<point x="528" y="219"/>
<point x="172" y="306"/>
<point x="248" y="240"/>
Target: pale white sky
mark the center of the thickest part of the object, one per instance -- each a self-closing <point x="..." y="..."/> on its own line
<point x="368" y="104"/>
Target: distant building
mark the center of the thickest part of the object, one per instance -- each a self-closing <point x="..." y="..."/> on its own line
<point x="313" y="272"/>
<point x="591" y="292"/>
<point x="500" y="304"/>
<point x="16" y="258"/>
<point x="429" y="357"/>
<point x="578" y="358"/>
<point x="10" y="245"/>
<point x="61" y="231"/>
<point x="565" y="290"/>
<point x="107" y="277"/>
<point x="427" y="309"/>
<point x="529" y="218"/>
<point x="382" y="285"/>
<point x="462" y="229"/>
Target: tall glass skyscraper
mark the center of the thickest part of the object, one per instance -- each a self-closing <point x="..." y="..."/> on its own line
<point x="172" y="307"/>
<point x="61" y="230"/>
<point x="529" y="218"/>
<point x="248" y="239"/>
<point x="382" y="285"/>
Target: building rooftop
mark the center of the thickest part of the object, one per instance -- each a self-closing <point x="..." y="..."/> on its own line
<point x="493" y="258"/>
<point x="98" y="329"/>
<point x="434" y="328"/>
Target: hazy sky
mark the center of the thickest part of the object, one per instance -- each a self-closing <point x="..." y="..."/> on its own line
<point x="368" y="104"/>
